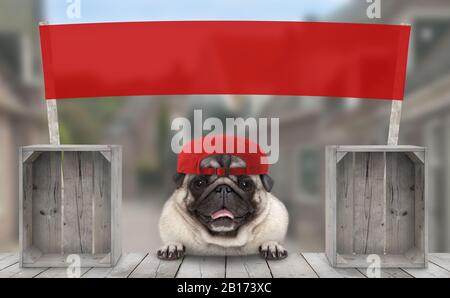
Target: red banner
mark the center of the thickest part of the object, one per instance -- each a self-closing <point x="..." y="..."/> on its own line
<point x="225" y="57"/>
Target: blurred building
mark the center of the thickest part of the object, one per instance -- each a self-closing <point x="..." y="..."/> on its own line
<point x="308" y="125"/>
<point x="22" y="113"/>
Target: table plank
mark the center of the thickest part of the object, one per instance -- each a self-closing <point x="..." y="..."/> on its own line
<point x="294" y="266"/>
<point x="126" y="265"/>
<point x="440" y="259"/>
<point x="9" y="260"/>
<point x="202" y="267"/>
<point x="59" y="272"/>
<point x="97" y="273"/>
<point x="320" y="264"/>
<point x="4" y="255"/>
<point x="433" y="271"/>
<point x="143" y="265"/>
<point x="15" y="271"/>
<point x="247" y="267"/>
<point x="152" y="267"/>
<point x="388" y="273"/>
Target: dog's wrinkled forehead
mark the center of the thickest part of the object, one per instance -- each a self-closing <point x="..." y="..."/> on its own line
<point x="223" y="161"/>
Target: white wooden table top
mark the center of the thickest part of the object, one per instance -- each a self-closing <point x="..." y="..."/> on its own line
<point x="147" y="265"/>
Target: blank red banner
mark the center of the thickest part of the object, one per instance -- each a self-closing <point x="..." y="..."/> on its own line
<point x="225" y="57"/>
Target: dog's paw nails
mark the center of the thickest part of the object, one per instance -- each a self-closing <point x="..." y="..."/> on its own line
<point x="172" y="251"/>
<point x="272" y="251"/>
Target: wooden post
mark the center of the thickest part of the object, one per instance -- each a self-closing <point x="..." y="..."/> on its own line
<point x="53" y="126"/>
<point x="52" y="115"/>
<point x="394" y="123"/>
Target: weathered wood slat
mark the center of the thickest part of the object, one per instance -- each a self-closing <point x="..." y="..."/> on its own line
<point x="320" y="265"/>
<point x="388" y="273"/>
<point x="102" y="204"/>
<point x="8" y="260"/>
<point x="400" y="221"/>
<point x="97" y="273"/>
<point x="66" y="148"/>
<point x="126" y="265"/>
<point x="202" y="267"/>
<point x="433" y="271"/>
<point x="421" y="232"/>
<point x="440" y="259"/>
<point x="46" y="203"/>
<point x="294" y="266"/>
<point x="116" y="203"/>
<point x="4" y="255"/>
<point x="78" y="196"/>
<point x="15" y="271"/>
<point x="369" y="203"/>
<point x="330" y="205"/>
<point x="60" y="273"/>
<point x="152" y="267"/>
<point x="380" y="148"/>
<point x="344" y="204"/>
<point x="247" y="267"/>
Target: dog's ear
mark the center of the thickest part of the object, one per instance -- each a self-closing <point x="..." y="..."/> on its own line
<point x="267" y="182"/>
<point x="178" y="178"/>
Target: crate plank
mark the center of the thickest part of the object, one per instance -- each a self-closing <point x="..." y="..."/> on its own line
<point x="126" y="265"/>
<point x="152" y="267"/>
<point x="369" y="208"/>
<point x="330" y="204"/>
<point x="247" y="267"/>
<point x="320" y="265"/>
<point x="102" y="205"/>
<point x="116" y="203"/>
<point x="344" y="204"/>
<point x="379" y="148"/>
<point x="202" y="267"/>
<point x="400" y="222"/>
<point x="294" y="266"/>
<point x="420" y="233"/>
<point x="60" y="273"/>
<point x="78" y="194"/>
<point x="46" y="202"/>
<point x="66" y="148"/>
<point x="26" y="207"/>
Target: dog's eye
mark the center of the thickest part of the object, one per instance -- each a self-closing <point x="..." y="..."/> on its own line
<point x="246" y="184"/>
<point x="200" y="183"/>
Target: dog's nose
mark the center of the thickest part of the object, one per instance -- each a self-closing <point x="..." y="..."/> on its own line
<point x="223" y="189"/>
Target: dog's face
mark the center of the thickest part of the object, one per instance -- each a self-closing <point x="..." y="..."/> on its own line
<point x="223" y="204"/>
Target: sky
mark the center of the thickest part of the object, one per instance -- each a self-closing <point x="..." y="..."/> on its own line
<point x="148" y="10"/>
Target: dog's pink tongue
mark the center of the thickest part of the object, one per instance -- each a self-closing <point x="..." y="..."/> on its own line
<point x="222" y="213"/>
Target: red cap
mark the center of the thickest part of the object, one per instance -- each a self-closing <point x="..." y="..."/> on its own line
<point x="197" y="150"/>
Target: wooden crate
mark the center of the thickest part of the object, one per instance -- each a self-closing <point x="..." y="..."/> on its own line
<point x="376" y="204"/>
<point x="70" y="200"/>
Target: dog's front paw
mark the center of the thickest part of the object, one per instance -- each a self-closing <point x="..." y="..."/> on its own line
<point x="272" y="251"/>
<point x="171" y="251"/>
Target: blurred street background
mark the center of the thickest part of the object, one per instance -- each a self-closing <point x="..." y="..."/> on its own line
<point x="142" y="124"/>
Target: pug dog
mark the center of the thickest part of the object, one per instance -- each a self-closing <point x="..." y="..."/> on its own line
<point x="223" y="215"/>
